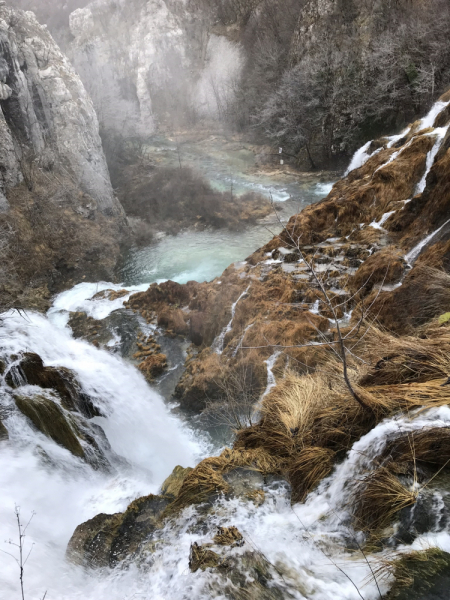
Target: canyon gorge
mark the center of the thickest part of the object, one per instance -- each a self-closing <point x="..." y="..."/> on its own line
<point x="225" y="292"/>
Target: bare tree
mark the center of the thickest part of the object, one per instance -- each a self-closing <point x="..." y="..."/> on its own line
<point x="23" y="554"/>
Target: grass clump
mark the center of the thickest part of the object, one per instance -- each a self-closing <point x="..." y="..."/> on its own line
<point x="415" y="572"/>
<point x="378" y="497"/>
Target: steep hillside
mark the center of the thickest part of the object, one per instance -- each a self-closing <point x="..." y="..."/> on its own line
<point x="327" y="353"/>
<point x="60" y="219"/>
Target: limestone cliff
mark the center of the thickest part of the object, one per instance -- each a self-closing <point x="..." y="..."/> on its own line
<point x="55" y="191"/>
<point x="153" y="61"/>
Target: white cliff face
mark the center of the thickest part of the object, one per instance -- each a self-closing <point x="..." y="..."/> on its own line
<point x="148" y="61"/>
<point x="47" y="120"/>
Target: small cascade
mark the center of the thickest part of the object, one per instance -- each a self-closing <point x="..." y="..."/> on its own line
<point x="241" y="341"/>
<point x="429" y="119"/>
<point x="271" y="381"/>
<point x="382" y="221"/>
<point x="440" y="133"/>
<point x="359" y="159"/>
<point x="219" y="341"/>
<point x="414" y="253"/>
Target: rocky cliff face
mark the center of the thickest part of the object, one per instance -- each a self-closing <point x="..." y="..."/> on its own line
<point x="152" y="61"/>
<point x="47" y="118"/>
<point x="55" y="193"/>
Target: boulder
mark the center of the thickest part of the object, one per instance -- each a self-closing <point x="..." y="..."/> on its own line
<point x="31" y="369"/>
<point x="90" y="545"/>
<point x="49" y="419"/>
<point x="107" y="540"/>
<point x="173" y="483"/>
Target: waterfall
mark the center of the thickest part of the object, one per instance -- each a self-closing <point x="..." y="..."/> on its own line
<point x="429" y="119"/>
<point x="241" y="341"/>
<point x="414" y="253"/>
<point x="360" y="158"/>
<point x="271" y="381"/>
<point x="147" y="442"/>
<point x="219" y="341"/>
<point x="440" y="133"/>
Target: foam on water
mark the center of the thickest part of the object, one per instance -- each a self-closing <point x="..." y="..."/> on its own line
<point x="63" y="490"/>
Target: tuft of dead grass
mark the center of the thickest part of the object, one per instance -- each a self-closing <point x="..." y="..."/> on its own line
<point x="413" y="571"/>
<point x="378" y="497"/>
<point x="430" y="446"/>
<point x="228" y="536"/>
<point x="306" y="472"/>
<point x="207" y="478"/>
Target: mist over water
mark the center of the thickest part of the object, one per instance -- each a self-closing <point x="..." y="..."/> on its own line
<point x="204" y="255"/>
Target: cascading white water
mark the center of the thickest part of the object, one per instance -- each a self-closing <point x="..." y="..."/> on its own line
<point x="414" y="253"/>
<point x="306" y="542"/>
<point x="440" y="134"/>
<point x="360" y="157"/>
<point x="271" y="381"/>
<point x="218" y="343"/>
<point x="62" y="489"/>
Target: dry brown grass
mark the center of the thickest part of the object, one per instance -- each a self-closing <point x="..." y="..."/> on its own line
<point x="308" y="470"/>
<point x="206" y="479"/>
<point x="424" y="295"/>
<point x="430" y="446"/>
<point x="405" y="359"/>
<point x="228" y="536"/>
<point x="378" y="497"/>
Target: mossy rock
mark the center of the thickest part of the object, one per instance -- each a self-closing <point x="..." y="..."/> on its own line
<point x="107" y="540"/>
<point x="49" y="419"/>
<point x="173" y="483"/>
<point x="90" y="545"/>
<point x="60" y="379"/>
<point x="423" y="575"/>
<point x="443" y="319"/>
<point x="3" y="432"/>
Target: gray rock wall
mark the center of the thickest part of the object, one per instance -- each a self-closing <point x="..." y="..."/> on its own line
<point x="47" y="120"/>
<point x="147" y="62"/>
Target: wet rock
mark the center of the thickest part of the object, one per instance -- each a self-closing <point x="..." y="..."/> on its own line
<point x="107" y="540"/>
<point x="247" y="575"/>
<point x="244" y="482"/>
<point x="3" y="432"/>
<point x="90" y="545"/>
<point x="422" y="575"/>
<point x="31" y="369"/>
<point x="196" y="328"/>
<point x="87" y="328"/>
<point x="200" y="557"/>
<point x="116" y="333"/>
<point x="49" y="418"/>
<point x="2" y="367"/>
<point x="173" y="483"/>
<point x="431" y="512"/>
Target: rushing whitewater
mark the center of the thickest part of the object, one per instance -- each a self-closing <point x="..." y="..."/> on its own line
<point x="146" y="444"/>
